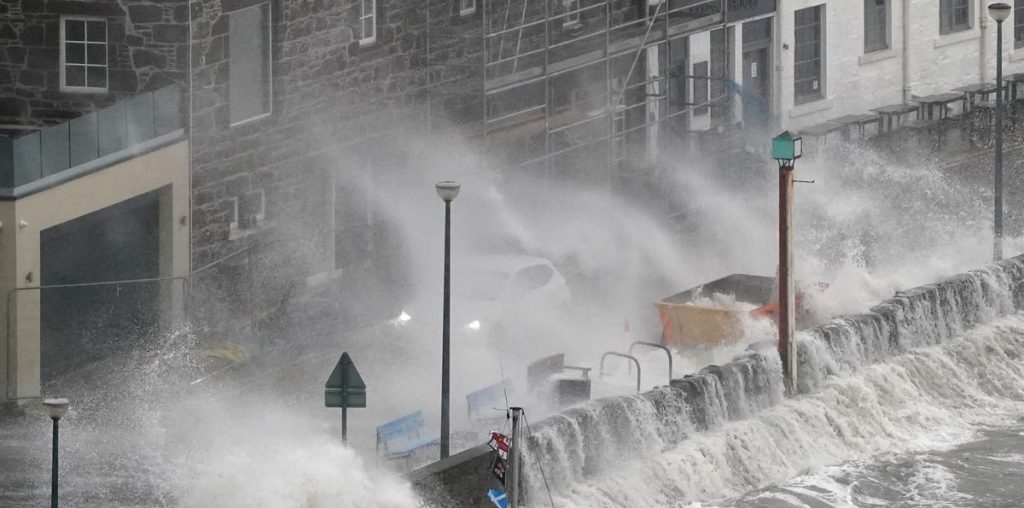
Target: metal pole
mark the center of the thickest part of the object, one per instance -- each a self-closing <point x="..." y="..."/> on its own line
<point x="53" y="473"/>
<point x="446" y="324"/>
<point x="787" y="307"/>
<point x="344" y="425"/>
<point x="514" y="457"/>
<point x="998" y="224"/>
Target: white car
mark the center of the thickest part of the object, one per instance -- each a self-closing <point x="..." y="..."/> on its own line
<point x="488" y="289"/>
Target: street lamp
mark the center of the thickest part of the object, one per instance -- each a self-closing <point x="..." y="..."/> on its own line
<point x="447" y="190"/>
<point x="786" y="149"/>
<point x="999" y="11"/>
<point x="55" y="409"/>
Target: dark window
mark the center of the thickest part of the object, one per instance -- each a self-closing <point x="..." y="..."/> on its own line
<point x="249" y="63"/>
<point x="83" y="54"/>
<point x="954" y="16"/>
<point x="1018" y="24"/>
<point x="368" y="22"/>
<point x="721" y="110"/>
<point x="808" y="61"/>
<point x="700" y="88"/>
<point x="532" y="278"/>
<point x="876" y="25"/>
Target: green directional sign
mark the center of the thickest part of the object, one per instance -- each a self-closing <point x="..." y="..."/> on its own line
<point x="345" y="387"/>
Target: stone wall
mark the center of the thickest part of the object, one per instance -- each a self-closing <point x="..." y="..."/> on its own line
<point x="337" y="107"/>
<point x="146" y="50"/>
<point x="591" y="439"/>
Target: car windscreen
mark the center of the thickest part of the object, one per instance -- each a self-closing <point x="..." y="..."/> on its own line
<point x="483" y="285"/>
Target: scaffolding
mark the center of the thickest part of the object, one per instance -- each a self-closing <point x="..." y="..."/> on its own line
<point x="590" y="76"/>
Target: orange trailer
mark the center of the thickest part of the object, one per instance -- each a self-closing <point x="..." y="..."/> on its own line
<point x="687" y="325"/>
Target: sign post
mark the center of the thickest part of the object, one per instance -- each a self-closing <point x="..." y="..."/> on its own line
<point x="345" y="388"/>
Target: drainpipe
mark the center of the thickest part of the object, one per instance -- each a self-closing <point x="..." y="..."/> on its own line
<point x="982" y="39"/>
<point x="906" y="51"/>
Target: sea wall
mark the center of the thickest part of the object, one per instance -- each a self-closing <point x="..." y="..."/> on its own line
<point x="590" y="438"/>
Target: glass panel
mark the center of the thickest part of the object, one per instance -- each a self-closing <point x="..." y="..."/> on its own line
<point x="97" y="31"/>
<point x="247" y="54"/>
<point x="97" y="54"/>
<point x="140" y="118"/>
<point x="167" y="110"/>
<point x="97" y="77"/>
<point x="74" y="53"/>
<point x="368" y="28"/>
<point x="74" y="30"/>
<point x="55" y="149"/>
<point x="83" y="145"/>
<point x="6" y="162"/>
<point x="74" y="75"/>
<point x="111" y="129"/>
<point x="27" y="159"/>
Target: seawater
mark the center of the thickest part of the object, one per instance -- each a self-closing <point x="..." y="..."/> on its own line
<point x="916" y="403"/>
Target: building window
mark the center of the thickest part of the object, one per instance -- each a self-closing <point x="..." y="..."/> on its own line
<point x="467" y="7"/>
<point x="1018" y="23"/>
<point x="368" y="21"/>
<point x="876" y="25"/>
<point x="83" y="54"/>
<point x="954" y="16"/>
<point x="249" y="69"/>
<point x="808" y="61"/>
<point x="572" y="13"/>
<point x="700" y="88"/>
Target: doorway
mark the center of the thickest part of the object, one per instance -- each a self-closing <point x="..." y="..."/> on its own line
<point x="92" y="320"/>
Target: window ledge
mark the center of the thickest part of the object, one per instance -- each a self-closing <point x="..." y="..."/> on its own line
<point x="367" y="42"/>
<point x="251" y="120"/>
<point x="808" y="108"/>
<point x="1017" y="55"/>
<point x="877" y="56"/>
<point x="467" y="12"/>
<point x="956" y="37"/>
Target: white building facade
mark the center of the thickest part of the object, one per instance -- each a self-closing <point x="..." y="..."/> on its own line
<point x="843" y="57"/>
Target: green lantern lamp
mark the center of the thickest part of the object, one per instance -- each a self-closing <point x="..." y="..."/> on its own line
<point x="786" y="148"/>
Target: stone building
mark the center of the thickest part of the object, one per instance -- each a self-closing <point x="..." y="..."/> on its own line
<point x="287" y="112"/>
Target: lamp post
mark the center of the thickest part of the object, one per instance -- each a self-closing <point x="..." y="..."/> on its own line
<point x="999" y="11"/>
<point x="447" y="190"/>
<point x="55" y="409"/>
<point x="786" y="149"/>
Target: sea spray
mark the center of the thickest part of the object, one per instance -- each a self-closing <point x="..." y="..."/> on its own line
<point x="857" y="405"/>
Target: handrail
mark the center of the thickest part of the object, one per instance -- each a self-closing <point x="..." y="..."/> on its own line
<point x="628" y="357"/>
<point x="655" y="345"/>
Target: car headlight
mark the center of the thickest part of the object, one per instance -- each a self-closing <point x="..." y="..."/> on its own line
<point x="475" y="325"/>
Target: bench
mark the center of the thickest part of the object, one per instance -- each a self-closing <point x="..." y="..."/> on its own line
<point x="548" y="375"/>
<point x="401" y="438"/>
<point x="484" y="400"/>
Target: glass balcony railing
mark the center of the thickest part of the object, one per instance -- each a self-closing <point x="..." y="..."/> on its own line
<point x="121" y="126"/>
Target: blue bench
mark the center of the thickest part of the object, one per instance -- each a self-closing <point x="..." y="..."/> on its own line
<point x="401" y="438"/>
<point x="482" y="402"/>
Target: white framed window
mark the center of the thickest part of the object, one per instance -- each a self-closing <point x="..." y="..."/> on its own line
<point x="572" y="13"/>
<point x="249" y="64"/>
<point x="233" y="225"/>
<point x="368" y="22"/>
<point x="248" y="213"/>
<point x="467" y="7"/>
<point x="808" y="58"/>
<point x="954" y="16"/>
<point x="83" y="54"/>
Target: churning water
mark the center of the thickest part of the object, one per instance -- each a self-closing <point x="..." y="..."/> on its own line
<point x="915" y="403"/>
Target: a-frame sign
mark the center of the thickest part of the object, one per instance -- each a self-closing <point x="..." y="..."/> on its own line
<point x="345" y="388"/>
